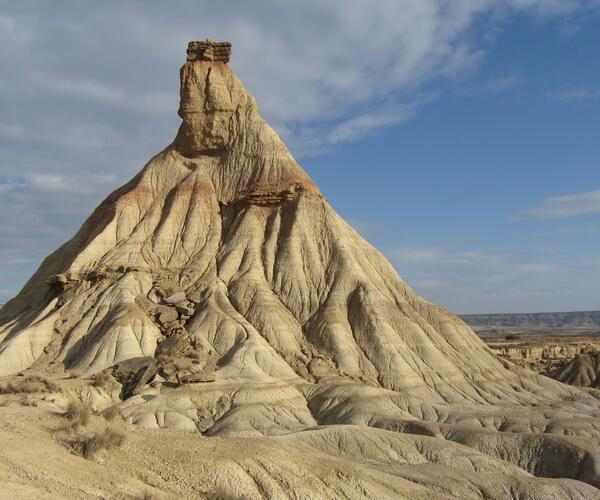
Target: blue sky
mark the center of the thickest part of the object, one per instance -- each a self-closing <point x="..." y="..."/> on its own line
<point x="461" y="138"/>
<point x="460" y="197"/>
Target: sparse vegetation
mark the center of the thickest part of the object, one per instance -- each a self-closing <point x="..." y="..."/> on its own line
<point x="29" y="385"/>
<point x="112" y="413"/>
<point x="512" y="336"/>
<point x="78" y="413"/>
<point x="87" y="445"/>
<point x="147" y="495"/>
<point x="88" y="442"/>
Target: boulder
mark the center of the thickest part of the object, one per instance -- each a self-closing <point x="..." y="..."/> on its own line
<point x="175" y="345"/>
<point x="175" y="298"/>
<point x="184" y="309"/>
<point x="166" y="314"/>
<point x="125" y="370"/>
<point x="198" y="377"/>
<point x="143" y="376"/>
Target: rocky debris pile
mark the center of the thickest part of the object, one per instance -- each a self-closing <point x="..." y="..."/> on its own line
<point x="135" y="374"/>
<point x="180" y="358"/>
<point x="207" y="50"/>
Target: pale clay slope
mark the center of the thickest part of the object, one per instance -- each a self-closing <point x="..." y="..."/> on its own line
<point x="329" y="462"/>
<point x="307" y="324"/>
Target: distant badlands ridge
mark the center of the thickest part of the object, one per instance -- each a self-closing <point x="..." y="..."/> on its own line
<point x="565" y="320"/>
<point x="562" y="320"/>
<point x="218" y="294"/>
<point x="563" y="345"/>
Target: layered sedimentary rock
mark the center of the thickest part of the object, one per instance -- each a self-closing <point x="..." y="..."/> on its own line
<point x="221" y="282"/>
<point x="208" y="50"/>
<point x="544" y="355"/>
<point x="583" y="370"/>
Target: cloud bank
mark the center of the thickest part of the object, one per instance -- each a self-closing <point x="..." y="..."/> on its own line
<point x="570" y="205"/>
<point x="89" y="91"/>
<point x="478" y="282"/>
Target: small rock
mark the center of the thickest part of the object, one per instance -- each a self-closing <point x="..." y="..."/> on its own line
<point x="176" y="297"/>
<point x="184" y="310"/>
<point x="63" y="280"/>
<point x="125" y="370"/>
<point x="145" y="304"/>
<point x="141" y="378"/>
<point x="195" y="378"/>
<point x="175" y="345"/>
<point x="166" y="314"/>
<point x="94" y="275"/>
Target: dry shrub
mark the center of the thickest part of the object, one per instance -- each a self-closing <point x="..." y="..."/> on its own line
<point x="196" y="354"/>
<point x="29" y="385"/>
<point x="88" y="445"/>
<point x="112" y="413"/>
<point x="102" y="379"/>
<point x="147" y="495"/>
<point x="78" y="413"/>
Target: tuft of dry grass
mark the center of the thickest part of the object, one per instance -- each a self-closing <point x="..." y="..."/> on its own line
<point x="112" y="413"/>
<point x="102" y="379"/>
<point x="29" y="385"/>
<point x="78" y="413"/>
<point x="88" y="445"/>
<point x="147" y="495"/>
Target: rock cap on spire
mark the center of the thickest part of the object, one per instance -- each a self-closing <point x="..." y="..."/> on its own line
<point x="208" y="50"/>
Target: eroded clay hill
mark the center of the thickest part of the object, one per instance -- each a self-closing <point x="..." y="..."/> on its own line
<point x="227" y="297"/>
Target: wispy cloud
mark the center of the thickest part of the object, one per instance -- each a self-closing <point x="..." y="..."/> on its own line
<point x="502" y="84"/>
<point x="363" y="124"/>
<point x="89" y="92"/>
<point x="480" y="281"/>
<point x="369" y="122"/>
<point x="491" y="86"/>
<point x="574" y="94"/>
<point x="565" y="206"/>
<point x="551" y="7"/>
<point x="12" y="131"/>
<point x="495" y="266"/>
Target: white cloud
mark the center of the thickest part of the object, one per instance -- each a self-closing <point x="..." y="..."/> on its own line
<point x="548" y="7"/>
<point x="10" y="31"/>
<point x="479" y="282"/>
<point x="495" y="266"/>
<point x="503" y="84"/>
<point x="12" y="131"/>
<point x="90" y="92"/>
<point x="565" y="206"/>
<point x="574" y="94"/>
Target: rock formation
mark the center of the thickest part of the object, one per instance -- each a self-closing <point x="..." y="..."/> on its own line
<point x="583" y="370"/>
<point x="220" y="281"/>
<point x="544" y="354"/>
